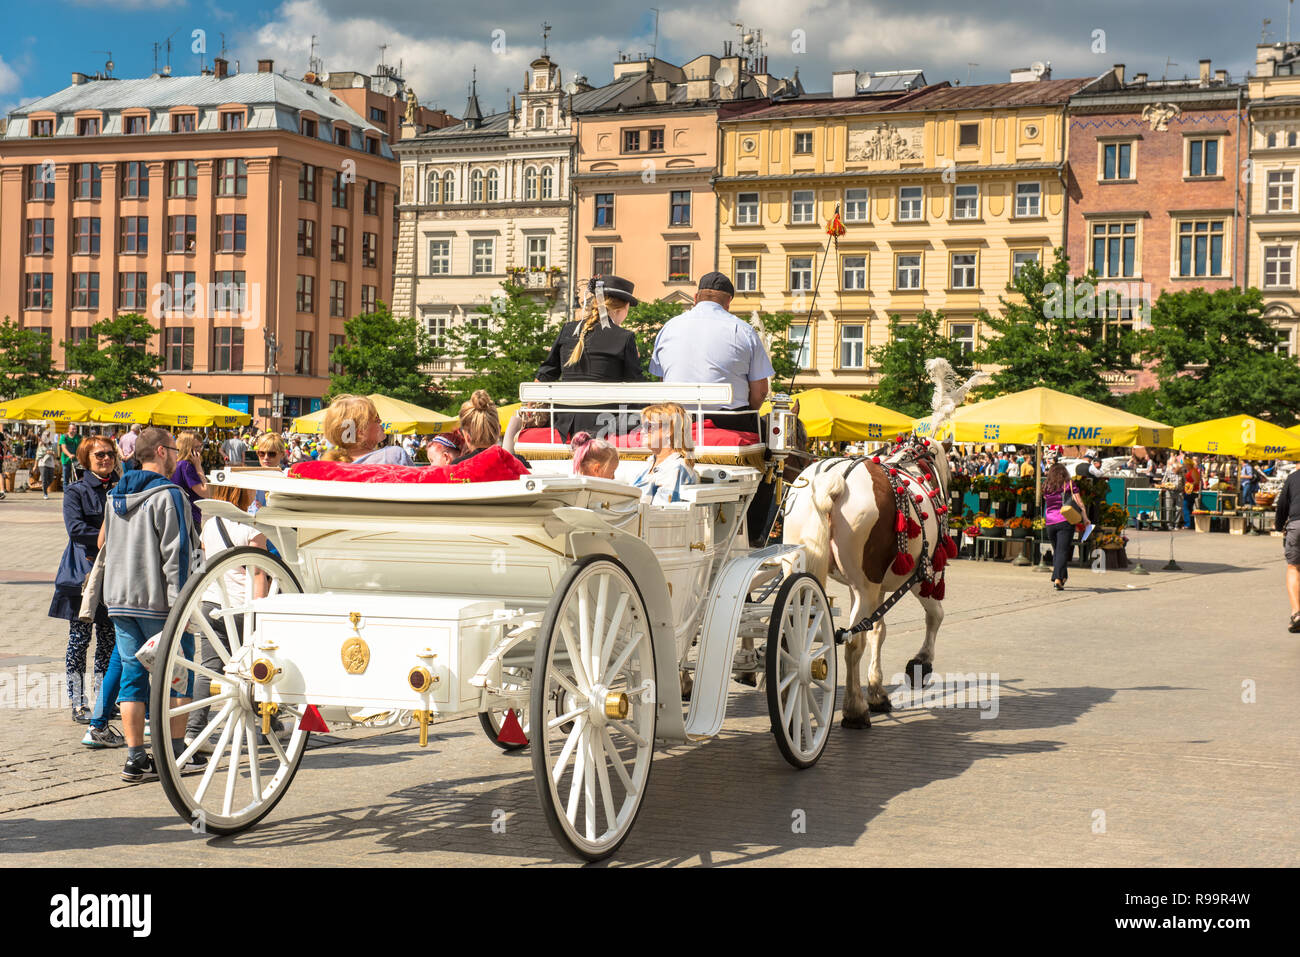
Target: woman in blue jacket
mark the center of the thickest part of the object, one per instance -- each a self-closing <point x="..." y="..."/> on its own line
<point x="83" y="514"/>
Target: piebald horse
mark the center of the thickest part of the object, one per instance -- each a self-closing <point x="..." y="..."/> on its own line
<point x="845" y="514"/>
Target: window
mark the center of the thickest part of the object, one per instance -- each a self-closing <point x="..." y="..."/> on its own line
<point x="40" y="237"/>
<point x="135" y="180"/>
<point x="42" y="127"/>
<point x="803" y="142"/>
<point x="230" y="289"/>
<point x="656" y="139"/>
<point x="1116" y="161"/>
<point x="631" y="141"/>
<point x="181" y="292"/>
<point x="306" y="237"/>
<point x="604" y="211"/>
<point x="232" y="122"/>
<point x="679" y="263"/>
<point x="232" y="232"/>
<point x="338" y="297"/>
<point x="227" y="349"/>
<point x="306" y="293"/>
<point x="747" y="209"/>
<point x="1272" y="139"/>
<point x="802" y="206"/>
<point x="307" y="183"/>
<point x="1028" y="196"/>
<point x="80" y="334"/>
<point x="336" y="368"/>
<point x="909" y="202"/>
<point x="548" y="183"/>
<point x="476" y="186"/>
<point x="602" y="260"/>
<point x="85" y="235"/>
<point x="136" y="124"/>
<point x="184" y="122"/>
<point x="307" y="127"/>
<point x="182" y="234"/>
<point x="180" y="349"/>
<point x="302" y="352"/>
<point x="801" y="274"/>
<point x="342" y="136"/>
<point x="539" y="252"/>
<point x="132" y="290"/>
<point x="86" y="183"/>
<point x="1200" y="248"/>
<point x="369" y="298"/>
<point x="963" y="271"/>
<point x="435" y="326"/>
<point x="339" y="192"/>
<point x="539" y="119"/>
<point x="856" y="209"/>
<point x="908" y="270"/>
<point x="184" y="179"/>
<point x="38" y="290"/>
<point x="1290" y="141"/>
<point x="88" y="126"/>
<point x="801" y="336"/>
<point x="855" y="273"/>
<point x="1278" y="269"/>
<point x="966" y="202"/>
<point x="968" y="134"/>
<point x="1113" y="248"/>
<point x="369" y="249"/>
<point x="377" y="115"/>
<point x="483" y="256"/>
<point x="439" y="257"/>
<point x="1019" y="259"/>
<point x="40" y="182"/>
<point x="852" y="346"/>
<point x="680" y="203"/>
<point x="530" y="183"/>
<point x="493" y="182"/>
<point x="338" y="244"/>
<point x="370" y="198"/>
<point x="1203" y="157"/>
<point x="747" y="275"/>
<point x="448" y="188"/>
<point x="232" y="177"/>
<point x="1281" y="191"/>
<point x="963" y="333"/>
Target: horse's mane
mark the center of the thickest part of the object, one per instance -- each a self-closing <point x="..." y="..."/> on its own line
<point x="949" y="391"/>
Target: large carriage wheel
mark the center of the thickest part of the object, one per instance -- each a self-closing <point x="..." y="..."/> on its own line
<point x="247" y="773"/>
<point x="593" y="707"/>
<point x="491" y="720"/>
<point x="801" y="670"/>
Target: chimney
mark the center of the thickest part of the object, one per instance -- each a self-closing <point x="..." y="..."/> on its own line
<point x="221" y="68"/>
<point x="1139" y="77"/>
<point x="1221" y="76"/>
<point x="265" y="66"/>
<point x="1205" y="72"/>
<point x="844" y="84"/>
<point x="78" y="78"/>
<point x="1119" y="73"/>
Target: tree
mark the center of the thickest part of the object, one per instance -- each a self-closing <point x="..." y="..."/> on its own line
<point x="774" y="328"/>
<point x="25" y="362"/>
<point x="645" y="319"/>
<point x="515" y="334"/>
<point x="1056" y="337"/>
<point x="384" y="354"/>
<point x="114" y="360"/>
<point x="904" y="384"/>
<point x="1213" y="355"/>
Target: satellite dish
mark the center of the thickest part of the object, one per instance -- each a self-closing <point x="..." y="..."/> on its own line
<point x="571" y="88"/>
<point x="1039" y="67"/>
<point x="725" y="76"/>
<point x="324" y="77"/>
<point x="864" y="81"/>
<point x="108" y="67"/>
<point x="358" y="81"/>
<point x="390" y="87"/>
<point x="747" y="38"/>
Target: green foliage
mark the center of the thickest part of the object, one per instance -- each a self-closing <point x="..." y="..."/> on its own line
<point x="1212" y="353"/>
<point x="25" y="363"/>
<point x="904" y="385"/>
<point x="384" y="354"/>
<point x="115" y="360"/>
<point x="645" y="320"/>
<point x="775" y="329"/>
<point x="1046" y="340"/>
<point x="506" y="349"/>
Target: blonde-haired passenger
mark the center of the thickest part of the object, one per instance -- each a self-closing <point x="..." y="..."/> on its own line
<point x="480" y="427"/>
<point x="667" y="430"/>
<point x="355" y="431"/>
<point x="594" y="457"/>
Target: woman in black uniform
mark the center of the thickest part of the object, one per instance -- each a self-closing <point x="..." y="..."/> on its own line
<point x="589" y="350"/>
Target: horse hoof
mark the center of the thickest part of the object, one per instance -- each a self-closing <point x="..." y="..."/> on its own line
<point x="913" y="678"/>
<point x="857" y="722"/>
<point x="883" y="706"/>
<point x="748" y="678"/>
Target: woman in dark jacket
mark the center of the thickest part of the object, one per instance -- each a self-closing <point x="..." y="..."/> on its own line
<point x="592" y="349"/>
<point x="83" y="514"/>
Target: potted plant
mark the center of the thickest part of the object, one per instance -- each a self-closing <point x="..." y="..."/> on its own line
<point x="1019" y="527"/>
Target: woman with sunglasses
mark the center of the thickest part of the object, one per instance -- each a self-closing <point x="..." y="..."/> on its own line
<point x="270" y="455"/>
<point x="83" y="514"/>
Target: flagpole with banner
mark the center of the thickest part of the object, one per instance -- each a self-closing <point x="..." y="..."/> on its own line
<point x="834" y="230"/>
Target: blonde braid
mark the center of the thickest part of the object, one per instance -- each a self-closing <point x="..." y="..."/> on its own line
<point x="593" y="317"/>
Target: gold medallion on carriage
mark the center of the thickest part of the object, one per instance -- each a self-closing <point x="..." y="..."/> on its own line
<point x="355" y="652"/>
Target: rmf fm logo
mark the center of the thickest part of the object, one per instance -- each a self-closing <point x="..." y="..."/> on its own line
<point x="1083" y="432"/>
<point x="1274" y="449"/>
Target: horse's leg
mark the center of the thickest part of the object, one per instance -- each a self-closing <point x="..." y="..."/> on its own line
<point x="870" y="600"/>
<point x="877" y="700"/>
<point x="924" y="659"/>
<point x="855" y="705"/>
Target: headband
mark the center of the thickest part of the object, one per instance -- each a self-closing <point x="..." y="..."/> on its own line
<point x="446" y="442"/>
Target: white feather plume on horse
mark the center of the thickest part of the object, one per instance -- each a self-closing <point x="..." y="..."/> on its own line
<point x="949" y="391"/>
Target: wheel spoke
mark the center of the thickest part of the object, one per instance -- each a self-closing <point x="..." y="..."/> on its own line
<point x="617" y="760"/>
<point x="606" y="795"/>
<point x="575" y="659"/>
<point x="565" y="718"/>
<point x="562" y="761"/>
<point x="598" y="633"/>
<point x="787" y="708"/>
<point x="621" y="660"/>
<point x="567" y="685"/>
<point x="217" y="751"/>
<point x="210" y="633"/>
<point x="277" y="748"/>
<point x="785" y="682"/>
<point x="806" y="698"/>
<point x="611" y="634"/>
<point x="232" y="770"/>
<point x="641" y="742"/>
<point x="575" y="786"/>
<point x="584" y="627"/>
<point x="254" y="772"/>
<point x="198" y="668"/>
<point x="196" y="705"/>
<point x="589" y="785"/>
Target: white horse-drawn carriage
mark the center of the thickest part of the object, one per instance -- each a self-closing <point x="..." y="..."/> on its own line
<point x="562" y="609"/>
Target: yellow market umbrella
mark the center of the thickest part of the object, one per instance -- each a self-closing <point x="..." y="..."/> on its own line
<point x="399" y="418"/>
<point x="1045" y="415"/>
<point x="57" y="405"/>
<point x="172" y="408"/>
<point x="835" y="417"/>
<point x="1241" y="436"/>
<point x="505" y="411"/>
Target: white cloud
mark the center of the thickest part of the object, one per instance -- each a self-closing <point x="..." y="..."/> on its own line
<point x="8" y="78"/>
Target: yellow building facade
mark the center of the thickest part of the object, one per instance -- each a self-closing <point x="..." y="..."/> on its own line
<point x="943" y="192"/>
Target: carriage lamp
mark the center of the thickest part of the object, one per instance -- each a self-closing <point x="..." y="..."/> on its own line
<point x="616" y="705"/>
<point x="263" y="672"/>
<point x="420" y="680"/>
<point x="268" y="710"/>
<point x="819" y="669"/>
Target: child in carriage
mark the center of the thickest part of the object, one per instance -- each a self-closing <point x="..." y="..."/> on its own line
<point x="667" y="430"/>
<point x="592" y="456"/>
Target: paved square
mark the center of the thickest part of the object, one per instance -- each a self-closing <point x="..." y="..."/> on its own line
<point x="1139" y="721"/>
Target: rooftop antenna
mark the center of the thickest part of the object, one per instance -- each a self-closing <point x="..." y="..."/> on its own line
<point x="108" y="65"/>
<point x="1264" y="33"/>
<point x="223" y="45"/>
<point x="1168" y="63"/>
<point x="546" y="31"/>
<point x="654" y="47"/>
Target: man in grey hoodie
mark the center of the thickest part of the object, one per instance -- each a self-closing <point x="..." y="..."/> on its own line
<point x="150" y="550"/>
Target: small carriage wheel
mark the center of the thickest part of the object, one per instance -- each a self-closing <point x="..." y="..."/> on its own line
<point x="593" y="707"/>
<point x="801" y="670"/>
<point x="512" y="678"/>
<point x="246" y="773"/>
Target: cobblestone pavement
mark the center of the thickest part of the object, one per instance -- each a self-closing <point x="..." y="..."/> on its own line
<point x="1140" y="721"/>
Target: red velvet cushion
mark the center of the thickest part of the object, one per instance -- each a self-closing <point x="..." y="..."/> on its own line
<point x="493" y="464"/>
<point x="713" y="436"/>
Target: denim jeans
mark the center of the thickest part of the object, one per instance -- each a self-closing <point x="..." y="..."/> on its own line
<point x="1189" y="503"/>
<point x="132" y="633"/>
<point x="1061" y="535"/>
<point x="108" y="689"/>
<point x="68" y="473"/>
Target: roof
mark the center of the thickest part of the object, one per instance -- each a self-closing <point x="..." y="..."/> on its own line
<point x="497" y="124"/>
<point x="844" y="106"/>
<point x="987" y="95"/>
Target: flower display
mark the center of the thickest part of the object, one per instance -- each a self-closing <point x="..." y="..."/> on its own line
<point x="1020" y="522"/>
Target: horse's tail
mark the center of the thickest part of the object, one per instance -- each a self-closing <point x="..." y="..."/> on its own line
<point x="816" y="535"/>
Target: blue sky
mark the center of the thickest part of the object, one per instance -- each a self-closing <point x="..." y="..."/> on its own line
<point x="439" y="42"/>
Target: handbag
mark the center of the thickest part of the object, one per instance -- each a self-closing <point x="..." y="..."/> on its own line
<point x="92" y="589"/>
<point x="147" y="655"/>
<point x="1071" y="507"/>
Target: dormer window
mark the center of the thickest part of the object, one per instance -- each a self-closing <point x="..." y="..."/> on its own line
<point x="341" y="136"/>
<point x="372" y="145"/>
<point x="232" y="121"/>
<point x="184" y="122"/>
<point x="307" y="127"/>
<point x="42" y="127"/>
<point x="136" y="124"/>
<point x="88" y="126"/>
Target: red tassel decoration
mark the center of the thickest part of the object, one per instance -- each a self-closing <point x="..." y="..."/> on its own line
<point x="925" y="515"/>
<point x="875" y="459"/>
<point x="903" y="564"/>
<point x="900" y="523"/>
<point x="927" y="589"/>
<point x="893" y="472"/>
<point x="937" y="594"/>
<point x="913" y="529"/>
<point x="940" y="559"/>
<point x="949" y="546"/>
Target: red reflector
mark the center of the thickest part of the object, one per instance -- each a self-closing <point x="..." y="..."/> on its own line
<point x="312" y="721"/>
<point x="511" y="732"/>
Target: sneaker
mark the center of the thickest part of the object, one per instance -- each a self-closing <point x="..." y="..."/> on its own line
<point x="81" y="715"/>
<point x="1086" y="532"/>
<point x="206" y="747"/>
<point x="46" y="494"/>
<point x="197" y="762"/>
<point x="1294" y="627"/>
<point x="105" y="737"/>
<point x="140" y="769"/>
